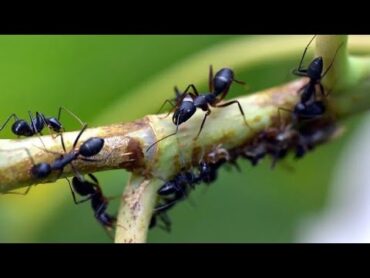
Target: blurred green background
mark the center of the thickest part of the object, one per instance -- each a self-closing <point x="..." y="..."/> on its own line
<point x="93" y="76"/>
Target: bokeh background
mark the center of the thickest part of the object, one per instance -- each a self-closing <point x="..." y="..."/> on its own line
<point x="102" y="80"/>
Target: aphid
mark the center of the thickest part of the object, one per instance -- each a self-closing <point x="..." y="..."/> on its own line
<point x="186" y="103"/>
<point x="21" y="127"/>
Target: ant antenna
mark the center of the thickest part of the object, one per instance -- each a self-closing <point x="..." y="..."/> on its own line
<point x="70" y="113"/>
<point x="336" y="52"/>
<point x="304" y="52"/>
<point x="177" y="128"/>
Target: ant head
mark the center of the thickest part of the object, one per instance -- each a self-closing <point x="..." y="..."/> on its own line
<point x="184" y="112"/>
<point x="315" y="68"/>
<point x="22" y="128"/>
<point x="54" y="124"/>
<point x="92" y="146"/>
<point x="41" y="170"/>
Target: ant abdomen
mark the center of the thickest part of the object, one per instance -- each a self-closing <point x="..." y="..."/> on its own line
<point x="222" y="80"/>
<point x="41" y="170"/>
<point x="22" y="128"/>
<point x="92" y="146"/>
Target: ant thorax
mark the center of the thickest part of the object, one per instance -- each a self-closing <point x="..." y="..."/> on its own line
<point x="188" y="98"/>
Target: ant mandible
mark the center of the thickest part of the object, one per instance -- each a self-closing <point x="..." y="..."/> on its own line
<point x="187" y="102"/>
<point x="21" y="127"/>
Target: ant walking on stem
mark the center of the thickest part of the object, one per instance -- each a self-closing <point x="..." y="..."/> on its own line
<point x="186" y="103"/>
<point x="90" y="147"/>
<point x="309" y="105"/>
<point x="21" y="127"/>
<point x="87" y="149"/>
<point x="93" y="192"/>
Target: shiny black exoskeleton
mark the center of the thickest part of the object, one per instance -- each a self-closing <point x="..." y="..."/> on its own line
<point x="93" y="192"/>
<point x="186" y="103"/>
<point x="178" y="188"/>
<point x="90" y="147"/>
<point x="21" y="127"/>
<point x="309" y="105"/>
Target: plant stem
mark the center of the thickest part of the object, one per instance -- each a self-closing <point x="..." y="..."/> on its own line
<point x="126" y="144"/>
<point x="137" y="204"/>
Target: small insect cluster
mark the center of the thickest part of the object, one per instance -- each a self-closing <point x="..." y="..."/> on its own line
<point x="308" y="126"/>
<point x="90" y="190"/>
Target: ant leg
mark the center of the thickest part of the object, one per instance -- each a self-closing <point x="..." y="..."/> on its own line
<point x="239" y="82"/>
<point x="33" y="124"/>
<point x="332" y="61"/>
<point x="7" y="120"/>
<point x="167" y="205"/>
<point x="210" y="79"/>
<point x="164" y="103"/>
<point x="299" y="70"/>
<point x="78" y="136"/>
<point x="240" y="108"/>
<point x="102" y="159"/>
<point x="204" y="120"/>
<point x="44" y="147"/>
<point x="167" y="222"/>
<point x="70" y="113"/>
<point x="179" y="98"/>
<point x="224" y="93"/>
<point x="46" y="124"/>
<point x="194" y="90"/>
<point x="17" y="193"/>
<point x="74" y="195"/>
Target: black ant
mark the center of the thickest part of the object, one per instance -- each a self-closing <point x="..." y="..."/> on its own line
<point x="178" y="188"/>
<point x="309" y="106"/>
<point x="90" y="147"/>
<point x="187" y="103"/>
<point x="21" y="127"/>
<point x="93" y="192"/>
